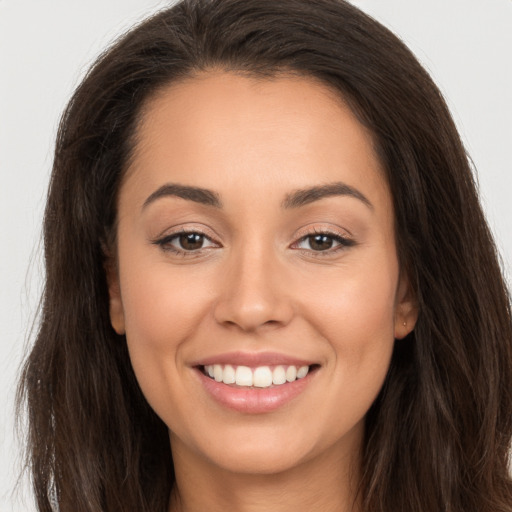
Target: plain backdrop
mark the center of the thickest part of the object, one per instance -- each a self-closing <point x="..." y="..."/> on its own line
<point x="45" y="48"/>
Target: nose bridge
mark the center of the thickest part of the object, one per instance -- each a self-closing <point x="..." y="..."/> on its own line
<point x="252" y="294"/>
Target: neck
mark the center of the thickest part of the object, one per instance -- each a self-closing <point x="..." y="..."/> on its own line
<point x="326" y="483"/>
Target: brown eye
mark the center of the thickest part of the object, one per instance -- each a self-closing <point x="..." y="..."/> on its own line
<point x="327" y="243"/>
<point x="186" y="242"/>
<point x="320" y="242"/>
<point x="191" y="241"/>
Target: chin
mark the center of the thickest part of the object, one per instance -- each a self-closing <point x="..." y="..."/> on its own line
<point x="256" y="460"/>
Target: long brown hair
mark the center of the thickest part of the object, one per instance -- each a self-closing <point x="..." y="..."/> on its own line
<point x="438" y="435"/>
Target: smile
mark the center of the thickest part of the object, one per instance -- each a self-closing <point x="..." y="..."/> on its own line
<point x="254" y="383"/>
<point x="259" y="377"/>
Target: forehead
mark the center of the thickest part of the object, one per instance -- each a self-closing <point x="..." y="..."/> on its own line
<point x="230" y="132"/>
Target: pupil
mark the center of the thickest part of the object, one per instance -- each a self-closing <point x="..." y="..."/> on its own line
<point x="320" y="242"/>
<point x="191" y="241"/>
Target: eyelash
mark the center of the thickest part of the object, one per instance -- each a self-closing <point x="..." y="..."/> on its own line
<point x="343" y="242"/>
<point x="165" y="243"/>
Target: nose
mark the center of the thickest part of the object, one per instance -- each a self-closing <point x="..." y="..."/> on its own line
<point x="253" y="294"/>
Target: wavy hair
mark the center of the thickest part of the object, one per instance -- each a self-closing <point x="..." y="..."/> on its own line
<point x="438" y="435"/>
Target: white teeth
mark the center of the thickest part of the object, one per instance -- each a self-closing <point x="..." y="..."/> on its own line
<point x="217" y="372"/>
<point x="228" y="376"/>
<point x="260" y="377"/>
<point x="302" y="372"/>
<point x="278" y="375"/>
<point x="243" y="376"/>
<point x="291" y="373"/>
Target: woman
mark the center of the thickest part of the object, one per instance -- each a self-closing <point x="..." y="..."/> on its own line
<point x="270" y="285"/>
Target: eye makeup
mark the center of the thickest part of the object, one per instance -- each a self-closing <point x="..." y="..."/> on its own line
<point x="195" y="242"/>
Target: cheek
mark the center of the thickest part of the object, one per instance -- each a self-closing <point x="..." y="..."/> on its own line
<point x="161" y="304"/>
<point x="162" y="310"/>
<point x="354" y="314"/>
<point x="354" y="306"/>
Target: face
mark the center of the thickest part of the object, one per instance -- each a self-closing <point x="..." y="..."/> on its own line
<point x="255" y="241"/>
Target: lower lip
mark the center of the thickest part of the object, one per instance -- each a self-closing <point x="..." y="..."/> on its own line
<point x="253" y="400"/>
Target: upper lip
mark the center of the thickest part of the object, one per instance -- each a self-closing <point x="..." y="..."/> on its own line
<point x="253" y="359"/>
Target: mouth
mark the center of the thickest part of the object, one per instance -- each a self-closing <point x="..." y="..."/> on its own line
<point x="260" y="377"/>
<point x="255" y="389"/>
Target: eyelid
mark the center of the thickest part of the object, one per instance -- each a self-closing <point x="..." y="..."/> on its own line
<point x="164" y="240"/>
<point x="327" y="229"/>
<point x="341" y="237"/>
<point x="178" y="229"/>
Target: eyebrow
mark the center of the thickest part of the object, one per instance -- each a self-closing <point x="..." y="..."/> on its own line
<point x="306" y="196"/>
<point x="295" y="199"/>
<point x="195" y="194"/>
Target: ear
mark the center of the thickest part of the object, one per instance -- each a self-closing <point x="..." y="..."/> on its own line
<point x="116" y="310"/>
<point x="406" y="308"/>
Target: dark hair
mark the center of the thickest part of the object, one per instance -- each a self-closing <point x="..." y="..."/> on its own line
<point x="438" y="435"/>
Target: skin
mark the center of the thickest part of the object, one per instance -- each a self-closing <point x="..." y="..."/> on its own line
<point x="258" y="285"/>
